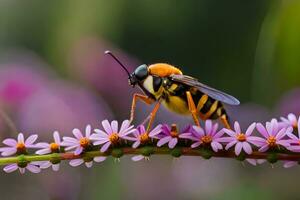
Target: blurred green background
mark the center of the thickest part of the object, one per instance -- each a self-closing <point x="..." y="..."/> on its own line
<point x="54" y="76"/>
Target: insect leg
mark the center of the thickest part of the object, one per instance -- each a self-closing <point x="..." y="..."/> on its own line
<point x="192" y="108"/>
<point x="152" y="115"/>
<point x="136" y="97"/>
<point x="225" y="121"/>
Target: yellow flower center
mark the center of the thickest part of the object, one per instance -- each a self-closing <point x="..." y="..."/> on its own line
<point x="295" y="125"/>
<point x="21" y="147"/>
<point x="54" y="146"/>
<point x="84" y="142"/>
<point x="271" y="141"/>
<point x="206" y="139"/>
<point x="114" y="138"/>
<point x="241" y="137"/>
<point x="174" y="131"/>
<point x="144" y="137"/>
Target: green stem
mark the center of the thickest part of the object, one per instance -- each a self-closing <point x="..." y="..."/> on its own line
<point x="149" y="150"/>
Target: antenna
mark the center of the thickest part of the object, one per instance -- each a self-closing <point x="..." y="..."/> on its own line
<point x="116" y="59"/>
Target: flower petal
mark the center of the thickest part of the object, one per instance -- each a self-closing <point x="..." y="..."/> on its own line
<point x="99" y="158"/>
<point x="262" y="130"/>
<point x="172" y="143"/>
<point x="105" y="147"/>
<point x="56" y="137"/>
<point x="155" y="131"/>
<point x="43" y="151"/>
<point x="250" y="129"/>
<point x="208" y="126"/>
<point x="78" y="150"/>
<point x="10" y="142"/>
<point x="137" y="158"/>
<point x="55" y="167"/>
<point x="237" y="127"/>
<point x="114" y="126"/>
<point x="8" y="151"/>
<point x="33" y="168"/>
<point x="238" y="148"/>
<point x="247" y="148"/>
<point x="89" y="164"/>
<point x="163" y="141"/>
<point x="289" y="164"/>
<point x="10" y="168"/>
<point x="88" y="130"/>
<point x="76" y="162"/>
<point x="20" y="138"/>
<point x="125" y="125"/>
<point x="230" y="144"/>
<point x="77" y="133"/>
<point x="196" y="144"/>
<point x="136" y="144"/>
<point x="106" y="126"/>
<point x="216" y="146"/>
<point x="31" y="139"/>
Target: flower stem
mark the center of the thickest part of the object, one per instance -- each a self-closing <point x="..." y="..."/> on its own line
<point x="149" y="150"/>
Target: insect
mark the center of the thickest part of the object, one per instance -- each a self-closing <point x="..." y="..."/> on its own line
<point x="165" y="84"/>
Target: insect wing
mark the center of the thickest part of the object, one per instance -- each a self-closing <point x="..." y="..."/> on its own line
<point x="213" y="93"/>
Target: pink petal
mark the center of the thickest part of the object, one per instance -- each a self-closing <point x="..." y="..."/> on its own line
<point x="99" y="159"/>
<point x="33" y="168"/>
<point x="198" y="131"/>
<point x="264" y="148"/>
<point x="8" y="151"/>
<point x="22" y="170"/>
<point x="289" y="164"/>
<point x="77" y="133"/>
<point x="106" y="126"/>
<point x="31" y="139"/>
<point x="280" y="134"/>
<point x="10" y="142"/>
<point x="257" y="141"/>
<point x="127" y="131"/>
<point x="284" y="143"/>
<point x="114" y="126"/>
<point x="238" y="148"/>
<point x="216" y="146"/>
<point x="252" y="161"/>
<point x="76" y="162"/>
<point x="124" y="126"/>
<point x="196" y="144"/>
<point x="70" y="140"/>
<point x="155" y="131"/>
<point x="10" y="168"/>
<point x="137" y="158"/>
<point x="237" y="127"/>
<point x="250" y="129"/>
<point x="42" y="145"/>
<point x="173" y="143"/>
<point x="105" y="147"/>
<point x="230" y="144"/>
<point x="229" y="132"/>
<point x="89" y="164"/>
<point x="247" y="148"/>
<point x="101" y="141"/>
<point x="262" y="130"/>
<point x="188" y="136"/>
<point x="136" y="144"/>
<point x="20" y="138"/>
<point x="163" y="141"/>
<point x="88" y="130"/>
<point x="100" y="133"/>
<point x="45" y="164"/>
<point x="225" y="139"/>
<point x="292" y="136"/>
<point x="208" y="126"/>
<point x="71" y="147"/>
<point x="292" y="118"/>
<point x="56" y="137"/>
<point x="78" y="150"/>
<point x="214" y="129"/>
<point x="43" y="151"/>
<point x="55" y="167"/>
<point x="218" y="134"/>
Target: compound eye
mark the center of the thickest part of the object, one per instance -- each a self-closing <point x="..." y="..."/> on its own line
<point x="141" y="72"/>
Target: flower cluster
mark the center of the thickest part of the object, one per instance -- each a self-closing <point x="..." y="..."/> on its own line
<point x="95" y="145"/>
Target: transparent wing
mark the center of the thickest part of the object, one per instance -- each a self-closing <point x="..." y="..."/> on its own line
<point x="213" y="93"/>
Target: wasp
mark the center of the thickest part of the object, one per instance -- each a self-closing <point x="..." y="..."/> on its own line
<point x="165" y="84"/>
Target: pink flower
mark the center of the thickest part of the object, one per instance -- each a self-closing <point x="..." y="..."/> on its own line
<point x="290" y="121"/>
<point x="32" y="167"/>
<point x="80" y="142"/>
<point x="47" y="148"/>
<point x="111" y="134"/>
<point x="140" y="136"/>
<point x="242" y="141"/>
<point x="167" y="134"/>
<point x="18" y="146"/>
<point x="88" y="164"/>
<point x="207" y="136"/>
<point x="273" y="135"/>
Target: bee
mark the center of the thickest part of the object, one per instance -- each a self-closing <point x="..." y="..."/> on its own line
<point x="165" y="84"/>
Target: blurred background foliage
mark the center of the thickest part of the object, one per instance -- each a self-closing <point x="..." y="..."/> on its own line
<point x="53" y="76"/>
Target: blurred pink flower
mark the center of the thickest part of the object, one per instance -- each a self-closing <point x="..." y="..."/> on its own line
<point x="32" y="167"/>
<point x="61" y="107"/>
